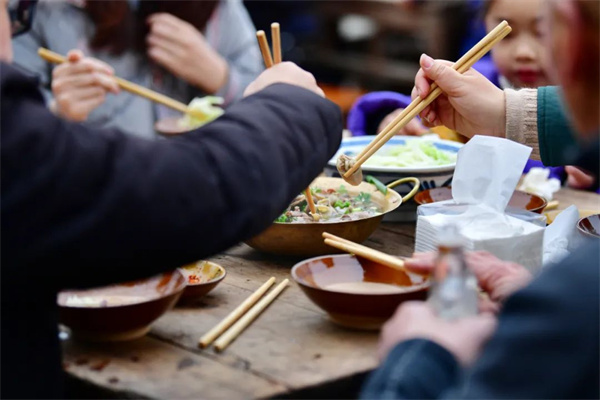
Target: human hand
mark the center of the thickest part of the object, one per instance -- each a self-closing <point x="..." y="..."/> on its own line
<point x="179" y="47"/>
<point x="463" y="338"/>
<point x="498" y="278"/>
<point x="578" y="179"/>
<point x="80" y="85"/>
<point x="413" y="128"/>
<point x="285" y="72"/>
<point x="470" y="104"/>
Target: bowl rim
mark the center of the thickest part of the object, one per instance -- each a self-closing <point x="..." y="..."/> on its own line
<point x="425" y="285"/>
<point x="178" y="291"/>
<point x="215" y="280"/>
<point x="585" y="232"/>
<point x="544" y="201"/>
<point x="347" y="142"/>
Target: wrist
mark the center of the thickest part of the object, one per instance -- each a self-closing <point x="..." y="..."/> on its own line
<point x="500" y="125"/>
<point x="213" y="74"/>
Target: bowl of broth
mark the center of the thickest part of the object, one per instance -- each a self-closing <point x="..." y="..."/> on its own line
<point x="355" y="292"/>
<point x="519" y="200"/>
<point x="119" y="312"/>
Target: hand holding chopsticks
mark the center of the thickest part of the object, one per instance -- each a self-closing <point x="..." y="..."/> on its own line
<point x="131" y="87"/>
<point x="418" y="104"/>
<point x="242" y="316"/>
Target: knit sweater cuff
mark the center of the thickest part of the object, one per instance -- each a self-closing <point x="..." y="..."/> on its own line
<point x="521" y="118"/>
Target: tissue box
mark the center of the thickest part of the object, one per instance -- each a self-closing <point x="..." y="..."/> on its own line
<point x="506" y="237"/>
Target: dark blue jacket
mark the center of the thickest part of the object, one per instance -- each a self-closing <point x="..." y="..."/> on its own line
<point x="545" y="347"/>
<point x="84" y="207"/>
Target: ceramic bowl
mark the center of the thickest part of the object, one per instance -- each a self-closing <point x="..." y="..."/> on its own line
<point x="201" y="278"/>
<point x="169" y="126"/>
<point x="590" y="226"/>
<point x="519" y="200"/>
<point x="344" y="287"/>
<point x="119" y="312"/>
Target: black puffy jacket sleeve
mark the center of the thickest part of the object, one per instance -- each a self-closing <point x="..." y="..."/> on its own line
<point x="100" y="206"/>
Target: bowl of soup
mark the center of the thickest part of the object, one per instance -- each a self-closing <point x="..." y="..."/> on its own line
<point x="351" y="212"/>
<point x="356" y="292"/>
<point x="519" y="200"/>
<point x="201" y="277"/>
<point x="119" y="312"/>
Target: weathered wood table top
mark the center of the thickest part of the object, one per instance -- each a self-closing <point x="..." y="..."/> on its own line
<point x="292" y="346"/>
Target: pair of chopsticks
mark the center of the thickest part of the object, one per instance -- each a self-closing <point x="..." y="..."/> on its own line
<point x="364" y="251"/>
<point x="244" y="314"/>
<point x="131" y="87"/>
<point x="269" y="62"/>
<point x="418" y="104"/>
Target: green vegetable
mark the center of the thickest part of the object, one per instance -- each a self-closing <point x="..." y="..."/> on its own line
<point x="342" y="190"/>
<point x="341" y="204"/>
<point x="378" y="184"/>
<point x="364" y="197"/>
<point x="415" y="153"/>
<point x="204" y="111"/>
<point x="283" y="218"/>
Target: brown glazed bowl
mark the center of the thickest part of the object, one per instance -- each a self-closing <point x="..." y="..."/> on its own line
<point x="348" y="307"/>
<point x="169" y="126"/>
<point x="520" y="200"/>
<point x="201" y="277"/>
<point x="590" y="226"/>
<point x="119" y="312"/>
<point x="306" y="239"/>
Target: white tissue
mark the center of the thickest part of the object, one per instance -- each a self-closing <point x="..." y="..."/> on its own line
<point x="562" y="236"/>
<point x="487" y="172"/>
<point x="537" y="182"/>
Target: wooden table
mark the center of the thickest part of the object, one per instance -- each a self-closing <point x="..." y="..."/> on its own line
<point x="291" y="351"/>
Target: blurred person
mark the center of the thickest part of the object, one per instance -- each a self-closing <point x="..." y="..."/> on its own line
<point x="183" y="49"/>
<point x="546" y="343"/>
<point x="518" y="61"/>
<point x="83" y="207"/>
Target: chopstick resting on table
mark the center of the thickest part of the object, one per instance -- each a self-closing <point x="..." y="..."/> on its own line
<point x="269" y="62"/>
<point x="131" y="87"/>
<point x="235" y="314"/>
<point x="418" y="104"/>
<point x="244" y="321"/>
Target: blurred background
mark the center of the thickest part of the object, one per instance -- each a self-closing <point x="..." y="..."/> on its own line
<point x="354" y="47"/>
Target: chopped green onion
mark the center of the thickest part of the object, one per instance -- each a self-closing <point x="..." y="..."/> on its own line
<point x="378" y="184"/>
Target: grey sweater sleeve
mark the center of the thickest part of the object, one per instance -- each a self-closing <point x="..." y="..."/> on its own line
<point x="521" y="118"/>
<point x="232" y="34"/>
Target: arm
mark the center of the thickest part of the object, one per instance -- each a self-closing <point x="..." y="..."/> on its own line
<point x="234" y="36"/>
<point x="125" y="207"/>
<point x="546" y="346"/>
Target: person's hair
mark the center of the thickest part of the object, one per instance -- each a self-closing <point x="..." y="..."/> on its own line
<point x="118" y="28"/>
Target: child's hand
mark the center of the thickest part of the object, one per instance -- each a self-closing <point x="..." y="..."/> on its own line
<point x="413" y="128"/>
<point x="80" y="85"/>
<point x="577" y="179"/>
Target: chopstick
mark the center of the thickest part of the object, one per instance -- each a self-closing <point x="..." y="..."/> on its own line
<point x="235" y="314"/>
<point x="131" y="87"/>
<point x="418" y="104"/>
<point x="276" y="38"/>
<point x="269" y="62"/>
<point x="364" y="251"/>
<point x="264" y="48"/>
<point x="244" y="321"/>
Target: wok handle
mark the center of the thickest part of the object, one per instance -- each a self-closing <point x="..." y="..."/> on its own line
<point x="410" y="194"/>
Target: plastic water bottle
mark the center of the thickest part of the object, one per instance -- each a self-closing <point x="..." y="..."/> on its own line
<point x="454" y="292"/>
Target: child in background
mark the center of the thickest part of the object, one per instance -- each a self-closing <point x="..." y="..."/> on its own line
<point x="518" y="61"/>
